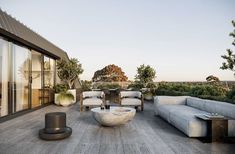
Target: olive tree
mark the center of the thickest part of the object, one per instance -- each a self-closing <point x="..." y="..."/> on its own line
<point x="69" y="70"/>
<point x="229" y="63"/>
<point x="145" y="74"/>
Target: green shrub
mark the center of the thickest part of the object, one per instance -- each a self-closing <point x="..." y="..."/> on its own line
<point x="170" y="92"/>
<point x="108" y="86"/>
<point x="217" y="98"/>
<point x="151" y="85"/>
<point x="65" y="96"/>
<point x="209" y="90"/>
<point x="61" y="88"/>
<point x="86" y="85"/>
<point x="231" y="93"/>
<point x="135" y="86"/>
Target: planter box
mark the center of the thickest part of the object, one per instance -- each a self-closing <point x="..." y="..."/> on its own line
<point x="148" y="97"/>
<point x="73" y="92"/>
<point x="56" y="102"/>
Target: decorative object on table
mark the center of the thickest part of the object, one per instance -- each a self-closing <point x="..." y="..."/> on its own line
<point x="213" y="115"/>
<point x="91" y="98"/>
<point x="131" y="98"/>
<point x="55" y="127"/>
<point x="114" y="116"/>
<point x="107" y="105"/>
<point x="102" y="107"/>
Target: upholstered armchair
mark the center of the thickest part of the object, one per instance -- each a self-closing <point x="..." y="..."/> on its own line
<point x="91" y="99"/>
<point x="131" y="98"/>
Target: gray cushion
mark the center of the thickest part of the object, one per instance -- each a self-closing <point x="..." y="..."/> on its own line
<point x="209" y="106"/>
<point x="164" y="111"/>
<point x="196" y="103"/>
<point x="222" y="108"/>
<point x="184" y="119"/>
<point x="173" y="100"/>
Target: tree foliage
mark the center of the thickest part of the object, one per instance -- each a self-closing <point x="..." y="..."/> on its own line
<point x="69" y="70"/>
<point x="212" y="78"/>
<point x="230" y="57"/>
<point x="110" y="73"/>
<point x="145" y="74"/>
<point x="86" y="85"/>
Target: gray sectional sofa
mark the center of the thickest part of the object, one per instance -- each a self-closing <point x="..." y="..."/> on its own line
<point x="180" y="111"/>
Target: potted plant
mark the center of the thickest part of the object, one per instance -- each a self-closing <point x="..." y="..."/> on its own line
<point x="59" y="88"/>
<point x="65" y="98"/>
<point x="149" y="91"/>
<point x="145" y="75"/>
<point x="68" y="72"/>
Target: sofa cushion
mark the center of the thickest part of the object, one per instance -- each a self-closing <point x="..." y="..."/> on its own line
<point x="128" y="94"/>
<point x="165" y="110"/>
<point x="196" y="103"/>
<point x="92" y="101"/>
<point x="222" y="108"/>
<point x="173" y="100"/>
<point x="131" y="101"/>
<point x="90" y="94"/>
<point x="184" y="119"/>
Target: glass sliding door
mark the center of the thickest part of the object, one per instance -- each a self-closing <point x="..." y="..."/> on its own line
<point x="49" y="79"/>
<point x="4" y="77"/>
<point x="27" y="78"/>
<point x="20" y="73"/>
<point x="36" y="76"/>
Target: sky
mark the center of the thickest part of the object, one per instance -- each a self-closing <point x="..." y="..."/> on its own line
<point x="182" y="40"/>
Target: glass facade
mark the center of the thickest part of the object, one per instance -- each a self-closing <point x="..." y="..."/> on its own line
<point x="36" y="76"/>
<point x="20" y="72"/>
<point x="49" y="79"/>
<point x="27" y="78"/>
<point x="4" y="77"/>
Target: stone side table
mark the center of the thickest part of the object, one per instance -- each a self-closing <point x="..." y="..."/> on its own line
<point x="113" y="116"/>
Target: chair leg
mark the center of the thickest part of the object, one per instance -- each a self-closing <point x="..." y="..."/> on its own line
<point x="142" y="108"/>
<point x="81" y="108"/>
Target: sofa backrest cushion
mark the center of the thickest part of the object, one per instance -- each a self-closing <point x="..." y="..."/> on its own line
<point x="196" y="103"/>
<point x="211" y="106"/>
<point x="132" y="94"/>
<point x="88" y="94"/>
<point x="223" y="108"/>
<point x="172" y="100"/>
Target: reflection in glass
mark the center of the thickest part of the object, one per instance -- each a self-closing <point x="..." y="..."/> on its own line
<point x="20" y="77"/>
<point x="4" y="77"/>
<point x="49" y="76"/>
<point x="36" y="79"/>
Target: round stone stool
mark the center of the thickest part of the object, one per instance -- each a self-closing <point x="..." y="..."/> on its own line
<point x="55" y="127"/>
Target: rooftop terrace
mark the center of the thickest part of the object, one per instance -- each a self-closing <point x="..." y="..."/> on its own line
<point x="145" y="134"/>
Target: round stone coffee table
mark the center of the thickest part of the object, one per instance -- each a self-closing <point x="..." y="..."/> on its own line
<point x="113" y="116"/>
